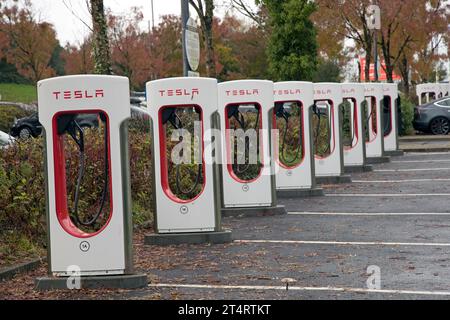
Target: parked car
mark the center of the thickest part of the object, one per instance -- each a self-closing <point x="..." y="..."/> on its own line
<point x="433" y="117"/>
<point x="30" y="127"/>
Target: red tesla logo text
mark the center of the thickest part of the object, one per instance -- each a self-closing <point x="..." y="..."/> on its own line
<point x="253" y="92"/>
<point x="321" y="92"/>
<point x="287" y="92"/>
<point x="179" y="92"/>
<point x="79" y="94"/>
<point x="348" y="91"/>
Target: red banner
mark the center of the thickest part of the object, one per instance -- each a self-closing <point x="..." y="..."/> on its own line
<point x="382" y="76"/>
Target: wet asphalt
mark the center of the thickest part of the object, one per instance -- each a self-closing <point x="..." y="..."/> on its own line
<point x="326" y="251"/>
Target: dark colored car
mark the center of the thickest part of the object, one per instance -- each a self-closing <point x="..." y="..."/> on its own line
<point x="433" y="117"/>
<point x="30" y="127"/>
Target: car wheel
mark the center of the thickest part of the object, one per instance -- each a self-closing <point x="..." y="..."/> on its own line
<point x="25" y="133"/>
<point x="440" y="126"/>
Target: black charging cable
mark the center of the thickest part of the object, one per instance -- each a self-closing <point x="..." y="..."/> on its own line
<point x="77" y="134"/>
<point x="170" y="116"/>
<point x="318" y="130"/>
<point x="281" y="113"/>
<point x="235" y="112"/>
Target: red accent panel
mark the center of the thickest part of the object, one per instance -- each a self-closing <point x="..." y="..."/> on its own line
<point x="164" y="161"/>
<point x="391" y="111"/>
<point x="228" y="144"/>
<point x="333" y="132"/>
<point x="62" y="211"/>
<point x="277" y="146"/>
<point x="355" y="122"/>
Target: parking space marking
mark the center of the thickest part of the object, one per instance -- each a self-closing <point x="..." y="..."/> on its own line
<point x="388" y="195"/>
<point x="419" y="161"/>
<point x="377" y="214"/>
<point x="400" y="181"/>
<point x="297" y="288"/>
<point x="426" y="153"/>
<point x="411" y="170"/>
<point x="345" y="243"/>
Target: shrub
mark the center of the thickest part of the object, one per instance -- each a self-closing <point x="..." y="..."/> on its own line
<point x="22" y="187"/>
<point x="8" y="114"/>
<point x="407" y="116"/>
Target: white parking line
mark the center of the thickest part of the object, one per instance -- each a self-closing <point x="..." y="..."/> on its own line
<point x="411" y="170"/>
<point x="387" y="195"/>
<point x="297" y="288"/>
<point x="420" y="161"/>
<point x="344" y="243"/>
<point x="377" y="214"/>
<point x="400" y="181"/>
<point x="426" y="153"/>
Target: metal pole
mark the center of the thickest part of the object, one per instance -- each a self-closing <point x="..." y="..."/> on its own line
<point x="184" y="20"/>
<point x="153" y="16"/>
<point x="375" y="45"/>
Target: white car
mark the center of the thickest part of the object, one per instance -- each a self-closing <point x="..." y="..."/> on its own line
<point x="5" y="140"/>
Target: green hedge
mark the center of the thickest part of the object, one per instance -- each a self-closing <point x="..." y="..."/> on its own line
<point x="8" y="114"/>
<point x="22" y="188"/>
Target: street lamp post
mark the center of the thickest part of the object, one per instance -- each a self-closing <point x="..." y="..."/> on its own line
<point x="184" y="21"/>
<point x="373" y="18"/>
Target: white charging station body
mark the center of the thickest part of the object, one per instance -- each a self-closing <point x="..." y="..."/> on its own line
<point x="355" y="155"/>
<point x="445" y="89"/>
<point x="174" y="215"/>
<point x="427" y="89"/>
<point x="332" y="165"/>
<point x="391" y="135"/>
<point x="108" y="251"/>
<point x="374" y="96"/>
<point x="258" y="192"/>
<point x="301" y="176"/>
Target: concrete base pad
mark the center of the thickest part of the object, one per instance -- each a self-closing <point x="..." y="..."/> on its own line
<point x="124" y="282"/>
<point x="174" y="239"/>
<point x="378" y="160"/>
<point x="358" y="169"/>
<point x="334" y="180"/>
<point x="397" y="153"/>
<point x="254" y="212"/>
<point x="300" y="193"/>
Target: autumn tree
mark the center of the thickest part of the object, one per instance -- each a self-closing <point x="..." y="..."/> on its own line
<point x="102" y="57"/>
<point x="30" y="42"/>
<point x="346" y="18"/>
<point x="166" y="54"/>
<point x="424" y="55"/>
<point x="205" y="12"/>
<point x="292" y="49"/>
<point x="78" y="59"/>
<point x="130" y="47"/>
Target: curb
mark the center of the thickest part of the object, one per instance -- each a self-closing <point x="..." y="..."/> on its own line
<point x="9" y="272"/>
<point x="188" y="238"/>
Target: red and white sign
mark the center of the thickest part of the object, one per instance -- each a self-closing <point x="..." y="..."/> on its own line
<point x="382" y="76"/>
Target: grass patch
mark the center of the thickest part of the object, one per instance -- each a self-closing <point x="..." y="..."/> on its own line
<point x="23" y="93"/>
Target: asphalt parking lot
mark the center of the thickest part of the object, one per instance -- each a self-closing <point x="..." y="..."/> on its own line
<point x="396" y="218"/>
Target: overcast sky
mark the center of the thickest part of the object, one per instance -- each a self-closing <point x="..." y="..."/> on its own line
<point x="71" y="29"/>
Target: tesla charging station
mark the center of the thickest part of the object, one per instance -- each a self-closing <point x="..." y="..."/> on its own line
<point x="390" y="117"/>
<point x="354" y="128"/>
<point x="93" y="240"/>
<point x="292" y="147"/>
<point x="328" y="144"/>
<point x="183" y="113"/>
<point x="374" y="123"/>
<point x="427" y="92"/>
<point x="445" y="89"/>
<point x="248" y="176"/>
